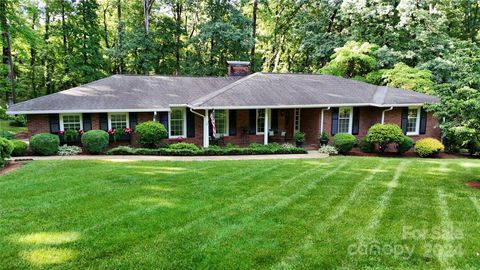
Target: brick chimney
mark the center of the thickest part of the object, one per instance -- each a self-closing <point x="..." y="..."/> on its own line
<point x="238" y="68"/>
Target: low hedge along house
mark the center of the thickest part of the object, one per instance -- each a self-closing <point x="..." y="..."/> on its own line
<point x="259" y="107"/>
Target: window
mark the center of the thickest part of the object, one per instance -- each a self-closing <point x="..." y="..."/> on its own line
<point x="260" y="121"/>
<point x="345" y="120"/>
<point x="221" y="122"/>
<point x="297" y="120"/>
<point x="177" y="123"/>
<point x="118" y="121"/>
<point x="413" y="123"/>
<point x="71" y="121"/>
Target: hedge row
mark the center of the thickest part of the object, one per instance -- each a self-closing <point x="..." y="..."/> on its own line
<point x="210" y="151"/>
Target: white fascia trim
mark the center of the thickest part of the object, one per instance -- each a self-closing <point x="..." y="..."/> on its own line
<point x="308" y="106"/>
<point x="88" y="111"/>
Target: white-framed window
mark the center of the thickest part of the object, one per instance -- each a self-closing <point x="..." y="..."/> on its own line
<point x="261" y="121"/>
<point x="177" y="123"/>
<point x="71" y="121"/>
<point x="345" y="120"/>
<point x="413" y="123"/>
<point x="221" y="122"/>
<point x="118" y="121"/>
<point x="297" y="120"/>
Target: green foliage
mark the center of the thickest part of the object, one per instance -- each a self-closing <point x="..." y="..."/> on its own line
<point x="95" y="141"/>
<point x="384" y="134"/>
<point x="344" y="142"/>
<point x="150" y="133"/>
<point x="428" y="147"/>
<point x="299" y="136"/>
<point x="6" y="148"/>
<point x="366" y="146"/>
<point x="18" y="121"/>
<point x="403" y="76"/>
<point x="253" y="149"/>
<point x="328" y="149"/>
<point x="70" y="135"/>
<point x="69" y="150"/>
<point x="3" y="113"/>
<point x="404" y="145"/>
<point x="7" y="135"/>
<point x="44" y="144"/>
<point x="353" y="59"/>
<point x="19" y="148"/>
<point x="184" y="146"/>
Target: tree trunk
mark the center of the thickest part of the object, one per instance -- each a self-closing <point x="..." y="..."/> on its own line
<point x="178" y="33"/>
<point x="48" y="76"/>
<point x="120" y="36"/>
<point x="254" y="34"/>
<point x="65" y="44"/>
<point x="33" y="55"/>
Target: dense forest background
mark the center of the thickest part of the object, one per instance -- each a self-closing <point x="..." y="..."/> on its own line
<point x="430" y="46"/>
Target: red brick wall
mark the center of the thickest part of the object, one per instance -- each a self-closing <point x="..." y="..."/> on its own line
<point x="38" y="123"/>
<point x="395" y="117"/>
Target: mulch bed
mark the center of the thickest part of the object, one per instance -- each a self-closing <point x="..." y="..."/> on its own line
<point x="473" y="184"/>
<point x="11" y="167"/>
<point x="410" y="154"/>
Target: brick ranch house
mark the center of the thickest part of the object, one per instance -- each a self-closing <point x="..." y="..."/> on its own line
<point x="260" y="107"/>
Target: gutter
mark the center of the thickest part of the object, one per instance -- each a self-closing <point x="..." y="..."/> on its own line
<point x="383" y="114"/>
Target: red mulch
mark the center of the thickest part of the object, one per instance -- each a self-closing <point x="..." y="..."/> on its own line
<point x="11" y="167"/>
<point x="473" y="184"/>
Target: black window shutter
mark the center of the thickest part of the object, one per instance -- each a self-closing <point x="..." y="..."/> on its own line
<point x="210" y="127"/>
<point x="404" y="121"/>
<point x="132" y="117"/>
<point x="87" y="121"/>
<point x="356" y="121"/>
<point x="334" y="121"/>
<point x="232" y="122"/>
<point x="103" y="121"/>
<point x="275" y="120"/>
<point x="423" y="121"/>
<point x="54" y="123"/>
<point x="253" y="121"/>
<point x="190" y="124"/>
<point x="163" y="119"/>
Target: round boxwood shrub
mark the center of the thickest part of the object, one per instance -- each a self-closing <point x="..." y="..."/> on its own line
<point x="95" y="141"/>
<point x="6" y="148"/>
<point x="184" y="146"/>
<point x="405" y="145"/>
<point x="44" y="144"/>
<point x="366" y="146"/>
<point x="428" y="147"/>
<point x="19" y="148"/>
<point x="385" y="134"/>
<point x="6" y="135"/>
<point x="150" y="133"/>
<point x="344" y="142"/>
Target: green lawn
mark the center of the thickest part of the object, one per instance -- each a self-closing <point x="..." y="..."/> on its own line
<point x="344" y="212"/>
<point x="5" y="125"/>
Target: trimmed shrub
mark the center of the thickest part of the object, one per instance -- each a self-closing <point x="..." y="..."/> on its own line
<point x="428" y="147"/>
<point x="122" y="150"/>
<point x="18" y="121"/>
<point x="366" y="146"/>
<point x="7" y="135"/>
<point x="69" y="150"/>
<point x="344" y="142"/>
<point x="6" y="148"/>
<point x="405" y="145"/>
<point x="184" y="146"/>
<point x="150" y="133"/>
<point x="44" y="144"/>
<point x="385" y="134"/>
<point x="19" y="148"/>
<point x="328" y="149"/>
<point x="95" y="141"/>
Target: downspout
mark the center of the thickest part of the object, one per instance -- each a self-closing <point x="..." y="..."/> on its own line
<point x="155" y="116"/>
<point x="383" y="114"/>
<point x="321" y="119"/>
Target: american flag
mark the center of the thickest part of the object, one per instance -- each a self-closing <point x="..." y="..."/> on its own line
<point x="214" y="127"/>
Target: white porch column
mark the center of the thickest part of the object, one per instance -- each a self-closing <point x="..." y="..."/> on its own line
<point x="206" y="132"/>
<point x="265" y="130"/>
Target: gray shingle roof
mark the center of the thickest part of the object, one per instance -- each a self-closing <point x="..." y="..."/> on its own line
<point x="125" y="92"/>
<point x="285" y="90"/>
<point x="267" y="90"/>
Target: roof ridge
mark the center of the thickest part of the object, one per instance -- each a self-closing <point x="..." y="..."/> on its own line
<point x="222" y="90"/>
<point x="174" y="76"/>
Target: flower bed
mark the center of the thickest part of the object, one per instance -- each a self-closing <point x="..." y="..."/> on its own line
<point x="253" y="149"/>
